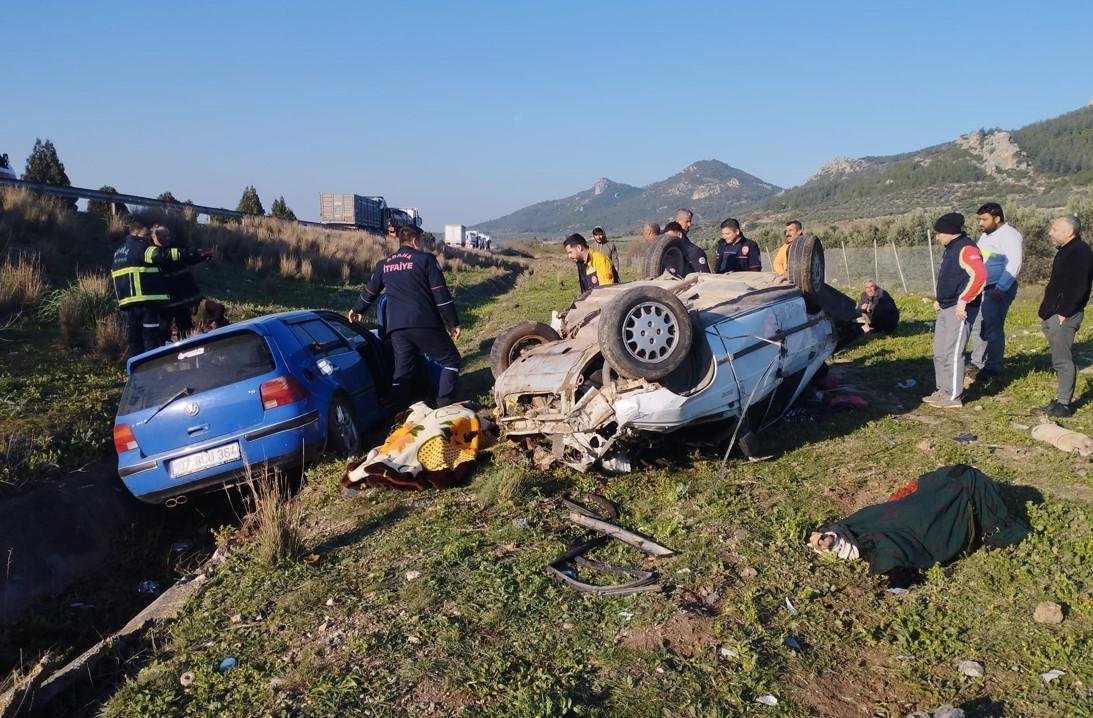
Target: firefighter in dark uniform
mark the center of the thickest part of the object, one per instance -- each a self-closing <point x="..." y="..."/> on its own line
<point x="181" y="288"/>
<point x="694" y="255"/>
<point x="141" y="286"/>
<point x="421" y="316"/>
<point x="735" y="252"/>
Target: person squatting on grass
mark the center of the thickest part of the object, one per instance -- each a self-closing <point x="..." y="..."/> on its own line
<point x="1063" y="307"/>
<point x="1002" y="248"/>
<point x="421" y="316"/>
<point x="734" y="252"/>
<point x="141" y="285"/>
<point x="960" y="281"/>
<point x="593" y="268"/>
<point x="876" y="309"/>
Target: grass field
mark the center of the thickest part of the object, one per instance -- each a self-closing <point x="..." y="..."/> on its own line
<point x="438" y="603"/>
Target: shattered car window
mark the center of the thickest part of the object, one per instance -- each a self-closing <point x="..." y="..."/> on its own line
<point x="201" y="367"/>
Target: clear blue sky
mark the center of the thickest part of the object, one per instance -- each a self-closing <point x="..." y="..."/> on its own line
<point x="472" y="110"/>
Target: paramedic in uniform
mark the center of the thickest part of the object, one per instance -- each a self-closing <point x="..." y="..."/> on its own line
<point x="421" y="316"/>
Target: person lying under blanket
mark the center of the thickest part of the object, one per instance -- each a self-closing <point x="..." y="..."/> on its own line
<point x="431" y="448"/>
<point x="934" y="519"/>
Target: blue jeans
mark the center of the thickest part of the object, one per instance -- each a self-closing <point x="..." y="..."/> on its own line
<point x="989" y="330"/>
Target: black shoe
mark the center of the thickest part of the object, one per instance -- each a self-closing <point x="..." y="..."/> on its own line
<point x="984" y="375"/>
<point x="1055" y="410"/>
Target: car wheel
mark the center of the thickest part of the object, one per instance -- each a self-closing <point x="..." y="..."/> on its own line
<point x="805" y="265"/>
<point x="664" y="255"/>
<point x="342" y="434"/>
<point x="645" y="333"/>
<point x="517" y="339"/>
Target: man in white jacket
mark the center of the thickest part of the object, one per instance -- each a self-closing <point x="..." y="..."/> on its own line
<point x="1002" y="248"/>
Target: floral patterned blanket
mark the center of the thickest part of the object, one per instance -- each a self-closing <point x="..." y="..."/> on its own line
<point x="432" y="448"/>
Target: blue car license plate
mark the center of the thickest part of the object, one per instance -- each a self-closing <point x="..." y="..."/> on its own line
<point x="203" y="460"/>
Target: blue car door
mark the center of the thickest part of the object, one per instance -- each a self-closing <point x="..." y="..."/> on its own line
<point x="370" y="352"/>
<point x="340" y="362"/>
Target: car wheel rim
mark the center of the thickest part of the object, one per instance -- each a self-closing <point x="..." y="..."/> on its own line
<point x="522" y="346"/>
<point x="650" y="332"/>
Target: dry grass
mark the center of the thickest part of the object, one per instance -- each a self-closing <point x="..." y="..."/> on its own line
<point x="255" y="263"/>
<point x="69" y="317"/>
<point x="307" y="269"/>
<point x="276" y="520"/>
<point x="21" y="283"/>
<point x="111" y="338"/>
<point x="346" y="275"/>
<point x="288" y="265"/>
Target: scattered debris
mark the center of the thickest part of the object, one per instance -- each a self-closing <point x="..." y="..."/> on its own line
<point x="906" y="384"/>
<point x="330" y="601"/>
<point x="186" y="679"/>
<point x="793" y="644"/>
<point x="767" y="700"/>
<point x="413" y="639"/>
<point x="947" y="710"/>
<point x="790" y="607"/>
<point x="965" y="438"/>
<point x="641" y="580"/>
<point x="1019" y="426"/>
<point x="520" y="523"/>
<point x="895" y="590"/>
<point x="1065" y="439"/>
<point x="1049" y="676"/>
<point x="311" y="558"/>
<point x="626" y="615"/>
<point x="1048" y="612"/>
<point x="971" y="669"/>
<point x="237" y="618"/>
<point x="726" y="652"/>
<point x="411" y="575"/>
<point x="227" y="664"/>
<point x="661" y="668"/>
<point x="149" y="586"/>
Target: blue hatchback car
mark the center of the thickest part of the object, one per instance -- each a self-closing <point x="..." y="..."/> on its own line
<point x="273" y="390"/>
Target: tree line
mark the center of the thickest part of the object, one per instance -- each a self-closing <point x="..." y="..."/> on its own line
<point x="44" y="166"/>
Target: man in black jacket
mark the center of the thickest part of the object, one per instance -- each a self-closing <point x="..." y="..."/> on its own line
<point x="735" y="252"/>
<point x="1063" y="308"/>
<point x="877" y="309"/>
<point x="693" y="255"/>
<point x="420" y="315"/>
<point x="181" y="287"/>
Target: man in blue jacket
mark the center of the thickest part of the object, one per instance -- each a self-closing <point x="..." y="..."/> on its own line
<point x="960" y="281"/>
<point x="735" y="252"/>
<point x="421" y="316"/>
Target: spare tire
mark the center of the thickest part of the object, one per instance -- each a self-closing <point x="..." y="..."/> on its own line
<point x="805" y="265"/>
<point x="517" y="339"/>
<point x="645" y="333"/>
<point x="665" y="254"/>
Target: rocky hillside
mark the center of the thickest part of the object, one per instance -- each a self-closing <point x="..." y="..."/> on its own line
<point x="1040" y="163"/>
<point x="710" y="188"/>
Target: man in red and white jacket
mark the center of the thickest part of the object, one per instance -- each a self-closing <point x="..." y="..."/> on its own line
<point x="960" y="282"/>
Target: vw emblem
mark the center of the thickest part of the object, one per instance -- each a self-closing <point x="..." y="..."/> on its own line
<point x="192" y="408"/>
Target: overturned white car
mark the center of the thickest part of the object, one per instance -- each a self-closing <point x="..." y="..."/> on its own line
<point x="718" y="355"/>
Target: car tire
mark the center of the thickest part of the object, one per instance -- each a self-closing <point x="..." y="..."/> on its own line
<point x="517" y="339"/>
<point x="665" y="254"/>
<point x="645" y="333"/>
<point x="342" y="435"/>
<point x="805" y="265"/>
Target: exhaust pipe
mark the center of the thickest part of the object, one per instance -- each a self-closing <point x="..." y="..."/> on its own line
<point x="175" y="501"/>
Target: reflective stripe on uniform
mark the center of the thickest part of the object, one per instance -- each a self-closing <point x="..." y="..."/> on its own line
<point x="145" y="298"/>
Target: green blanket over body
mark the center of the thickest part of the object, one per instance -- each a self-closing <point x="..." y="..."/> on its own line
<point x="952" y="510"/>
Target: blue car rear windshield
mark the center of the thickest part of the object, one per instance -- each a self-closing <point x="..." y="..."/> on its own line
<point x="200" y="367"/>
